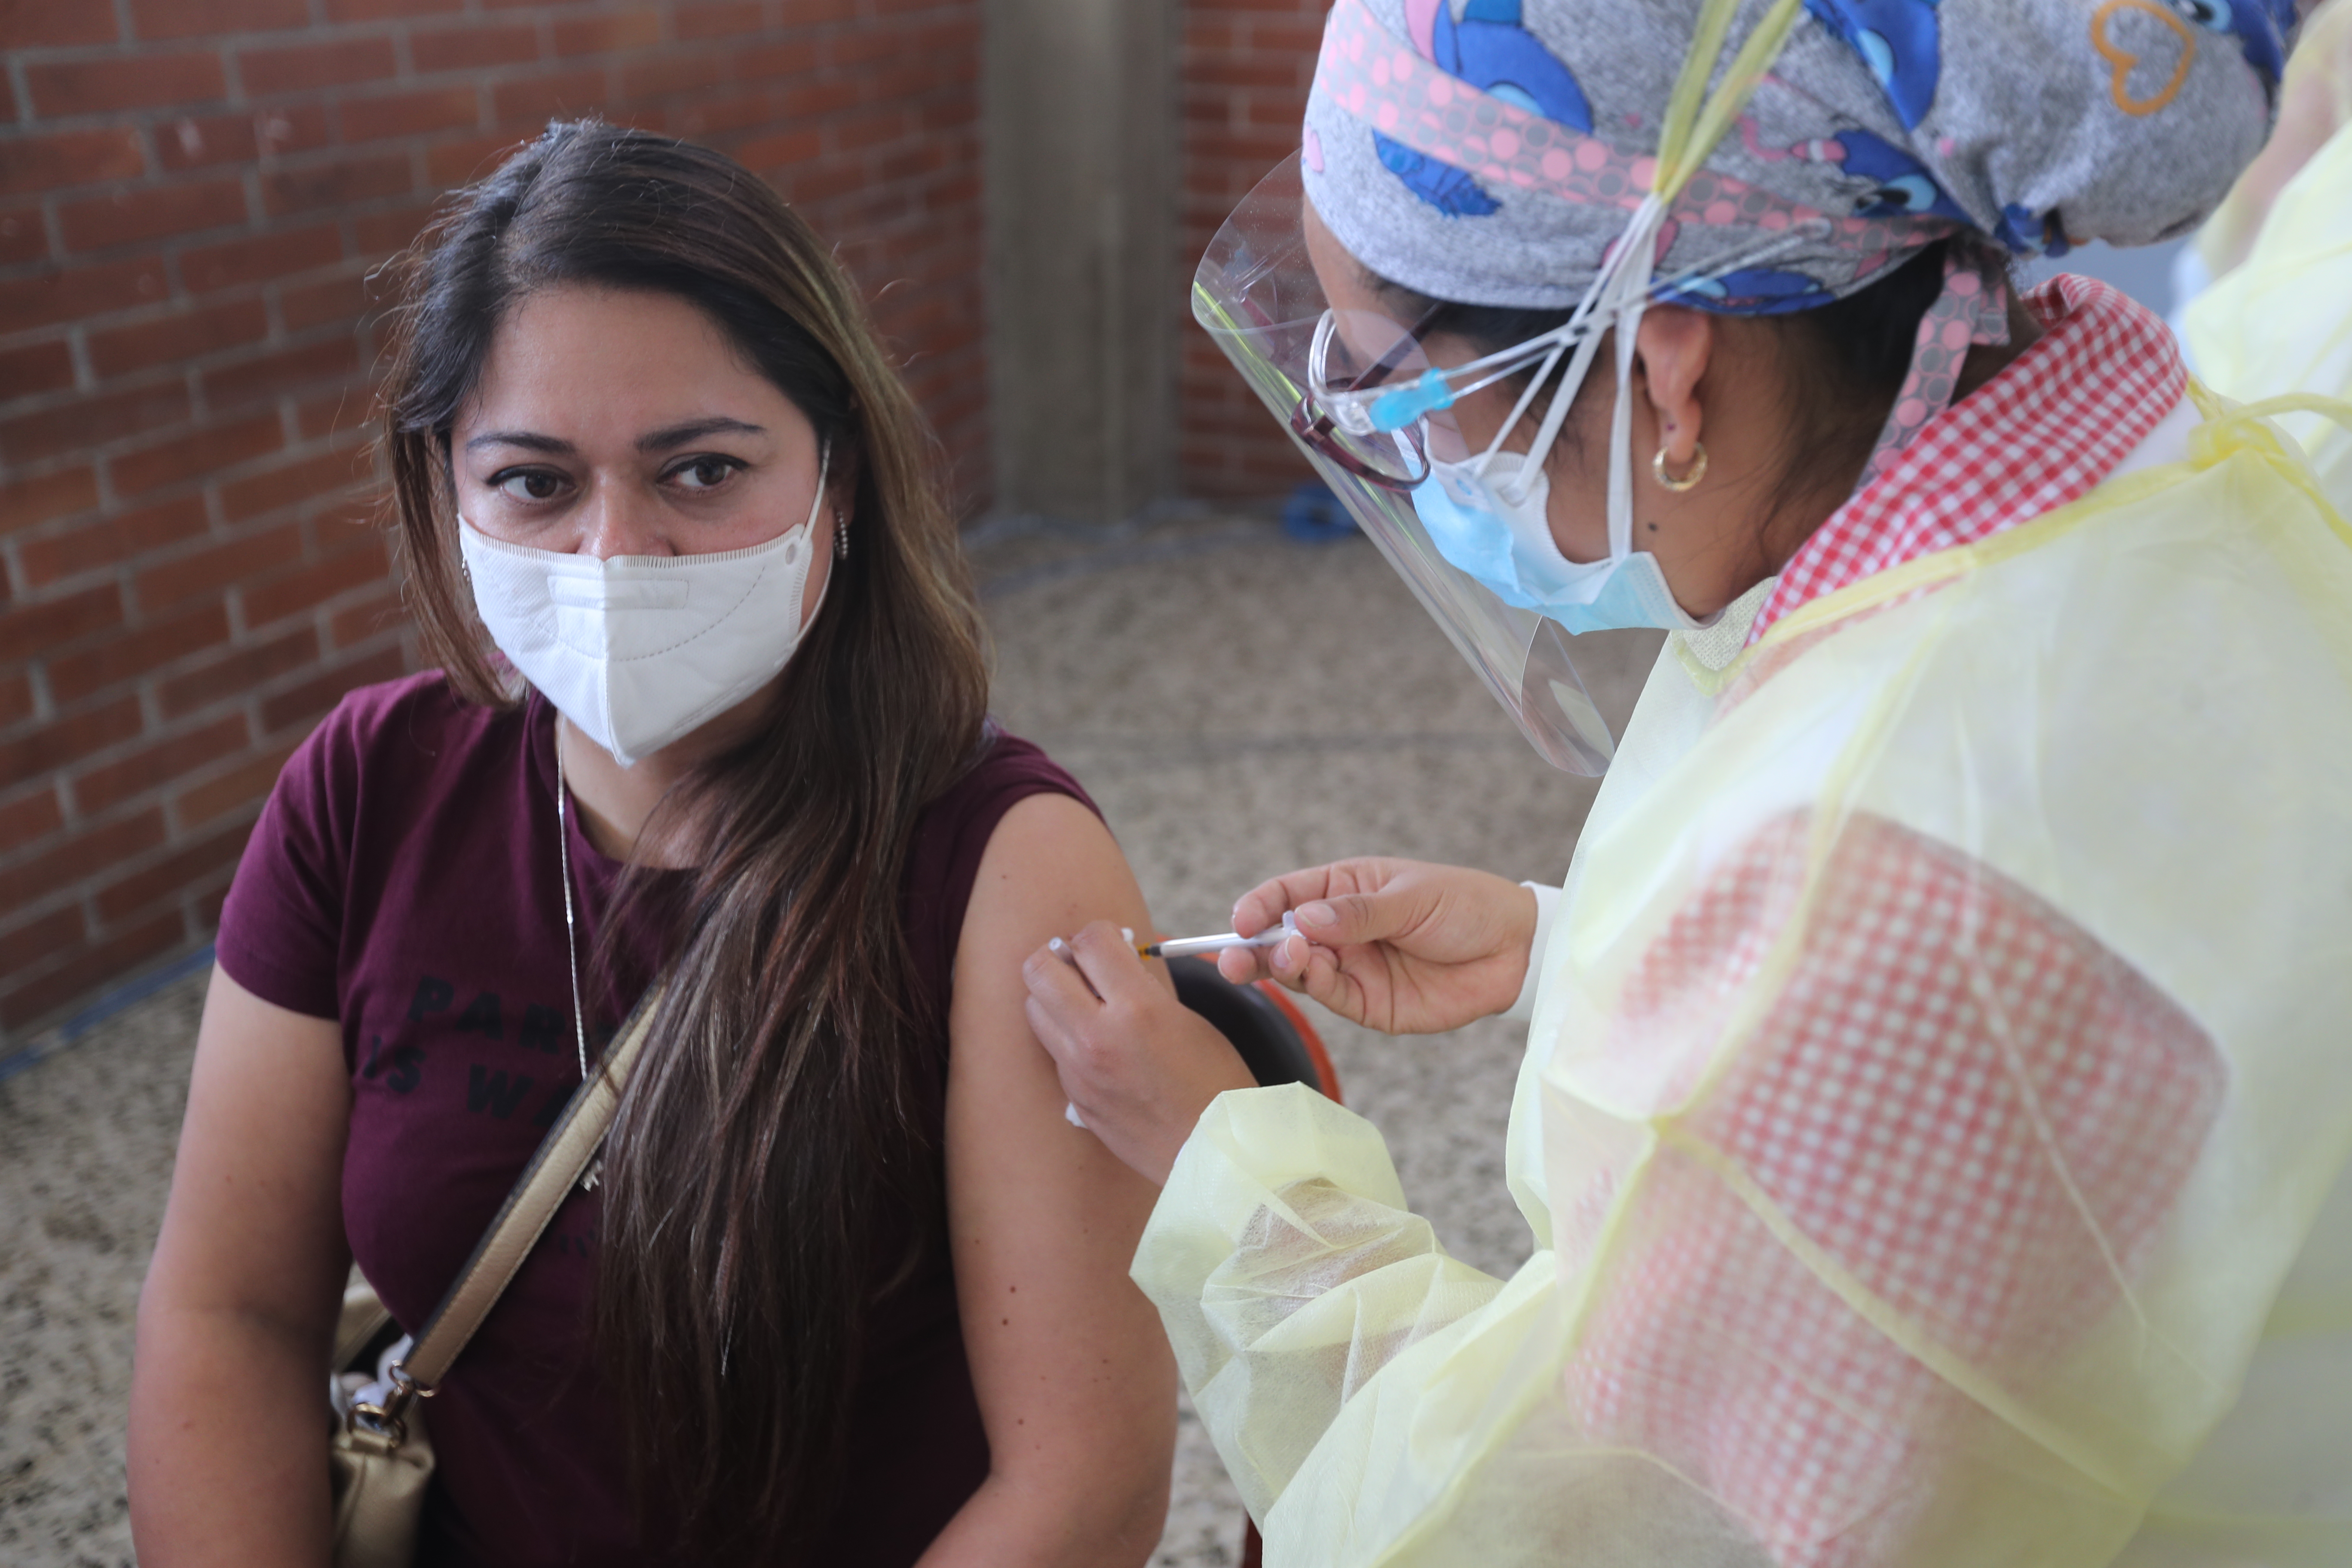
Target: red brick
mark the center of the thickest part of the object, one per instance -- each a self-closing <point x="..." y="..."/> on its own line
<point x="302" y="306"/>
<point x="693" y="72"/>
<point x="200" y="451"/>
<point x="242" y="787"/>
<point x="191" y="19"/>
<point x="322" y="691"/>
<point x="44" y="936"/>
<point x="781" y="151"/>
<point x="410" y="113"/>
<point x="156" y="766"/>
<point x="186" y="334"/>
<point x="239" y="672"/>
<point x="110" y="542"/>
<point x="33" y="815"/>
<point x="387" y="10"/>
<point x="44" y="748"/>
<point x="16" y="701"/>
<point x="24" y="502"/>
<point x="35" y="367"/>
<point x="536" y="99"/>
<point x="69" y="158"/>
<point x="609" y="34"/>
<point x="720" y="18"/>
<point x="28" y="1001"/>
<point x="284" y="129"/>
<point x="461" y="163"/>
<point x="772" y="62"/>
<point x="472" y="48"/>
<point x="307" y="587"/>
<point x="306" y="68"/>
<point x="40" y="24"/>
<point x="368" y="619"/>
<point x="382" y="233"/>
<point x="31" y="630"/>
<point x="200" y="141"/>
<point x="79" y="292"/>
<point x="252" y="379"/>
<point x="339" y="412"/>
<point x="297" y="480"/>
<point x="93" y="421"/>
<point x="23" y="236"/>
<point x="214" y="568"/>
<point x="135" y="81"/>
<point x="136" y="653"/>
<point x="128" y="217"/>
<point x="264" y="257"/>
<point x="324" y="187"/>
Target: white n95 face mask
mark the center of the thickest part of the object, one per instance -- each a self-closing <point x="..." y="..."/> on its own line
<point x="639" y="650"/>
<point x="1491" y="521"/>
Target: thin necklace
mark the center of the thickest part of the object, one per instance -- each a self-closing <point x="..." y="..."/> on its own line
<point x="571" y="932"/>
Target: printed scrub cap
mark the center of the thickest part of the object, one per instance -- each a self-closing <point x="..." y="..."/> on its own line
<point x="1489" y="151"/>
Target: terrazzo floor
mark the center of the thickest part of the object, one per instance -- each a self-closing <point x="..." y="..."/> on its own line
<point x="1237" y="704"/>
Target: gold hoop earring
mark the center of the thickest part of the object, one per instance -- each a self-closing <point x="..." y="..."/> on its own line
<point x="1689" y="481"/>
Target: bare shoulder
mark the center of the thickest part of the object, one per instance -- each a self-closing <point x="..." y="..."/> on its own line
<point x="1050" y="858"/>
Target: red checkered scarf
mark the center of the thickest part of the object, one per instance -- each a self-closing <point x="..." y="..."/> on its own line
<point x="2042" y="433"/>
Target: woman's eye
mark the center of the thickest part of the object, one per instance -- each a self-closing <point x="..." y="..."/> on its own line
<point x="529" y="484"/>
<point x="704" y="473"/>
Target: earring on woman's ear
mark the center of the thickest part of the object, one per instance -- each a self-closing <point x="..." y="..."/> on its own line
<point x="840" y="537"/>
<point x="1689" y="481"/>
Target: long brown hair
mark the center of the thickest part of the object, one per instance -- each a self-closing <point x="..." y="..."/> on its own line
<point x="773" y="1114"/>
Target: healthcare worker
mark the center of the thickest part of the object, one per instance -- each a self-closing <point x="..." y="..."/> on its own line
<point x="2277" y="319"/>
<point x="1940" y="1070"/>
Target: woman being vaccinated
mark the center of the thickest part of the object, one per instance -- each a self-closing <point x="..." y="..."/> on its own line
<point x="1934" y="1116"/>
<point x="708" y="736"/>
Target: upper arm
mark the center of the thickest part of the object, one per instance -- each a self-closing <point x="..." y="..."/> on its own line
<point x="253" y="1225"/>
<point x="1076" y="1383"/>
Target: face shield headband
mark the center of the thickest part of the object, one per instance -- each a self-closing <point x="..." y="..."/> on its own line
<point x="1376" y="420"/>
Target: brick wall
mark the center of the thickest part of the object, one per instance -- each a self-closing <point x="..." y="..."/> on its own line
<point x="191" y="195"/>
<point x="1245" y="67"/>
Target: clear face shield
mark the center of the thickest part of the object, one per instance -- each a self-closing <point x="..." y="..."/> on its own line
<point x="1356" y="391"/>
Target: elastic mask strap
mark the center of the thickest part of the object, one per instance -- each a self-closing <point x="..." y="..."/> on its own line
<point x="1972" y="308"/>
<point x="824" y="466"/>
<point x="1693" y="123"/>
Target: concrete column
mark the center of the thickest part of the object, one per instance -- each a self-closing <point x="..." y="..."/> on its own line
<point x="1079" y="110"/>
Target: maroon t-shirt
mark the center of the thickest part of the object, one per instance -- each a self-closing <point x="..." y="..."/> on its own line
<point x="405" y="881"/>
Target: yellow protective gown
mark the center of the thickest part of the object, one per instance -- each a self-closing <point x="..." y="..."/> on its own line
<point x="2281" y="321"/>
<point x="1939" y="1070"/>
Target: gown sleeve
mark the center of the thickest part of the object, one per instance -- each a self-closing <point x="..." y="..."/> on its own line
<point x="1288" y="1270"/>
<point x="1914" y="1135"/>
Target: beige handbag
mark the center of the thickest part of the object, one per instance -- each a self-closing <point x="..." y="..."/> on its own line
<point x="378" y="1454"/>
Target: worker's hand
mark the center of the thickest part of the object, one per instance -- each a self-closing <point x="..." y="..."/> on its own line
<point x="1401" y="946"/>
<point x="1137" y="1065"/>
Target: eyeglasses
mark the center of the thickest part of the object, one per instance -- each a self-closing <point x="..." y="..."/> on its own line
<point x="1331" y="417"/>
<point x="1386" y="423"/>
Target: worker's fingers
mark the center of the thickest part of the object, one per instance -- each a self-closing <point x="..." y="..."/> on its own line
<point x="1058" y="987"/>
<point x="1105" y="956"/>
<point x="1243" y="965"/>
<point x="1347" y="919"/>
<point x="1265" y="904"/>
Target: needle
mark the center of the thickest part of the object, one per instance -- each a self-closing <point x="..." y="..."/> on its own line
<point x="1185" y="947"/>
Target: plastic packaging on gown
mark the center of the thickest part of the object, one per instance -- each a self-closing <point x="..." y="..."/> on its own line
<point x="1928" y="1127"/>
<point x="2281" y="321"/>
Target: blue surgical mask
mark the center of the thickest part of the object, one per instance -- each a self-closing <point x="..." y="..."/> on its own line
<point x="1492" y="525"/>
